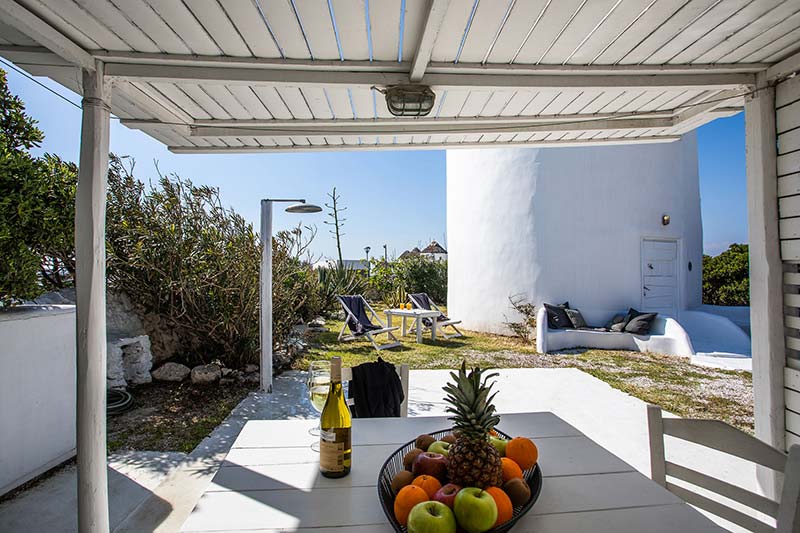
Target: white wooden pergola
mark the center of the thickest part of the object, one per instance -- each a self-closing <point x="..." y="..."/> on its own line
<point x="231" y="76"/>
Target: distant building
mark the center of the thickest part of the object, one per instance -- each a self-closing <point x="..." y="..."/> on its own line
<point x="351" y="264"/>
<point x="435" y="251"/>
<point x="409" y="253"/>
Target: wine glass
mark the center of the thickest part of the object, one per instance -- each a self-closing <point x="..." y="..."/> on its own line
<point x="318" y="383"/>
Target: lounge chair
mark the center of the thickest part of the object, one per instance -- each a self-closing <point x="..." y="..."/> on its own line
<point x="356" y="318"/>
<point x="421" y="300"/>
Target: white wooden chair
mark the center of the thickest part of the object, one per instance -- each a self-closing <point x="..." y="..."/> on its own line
<point x="724" y="438"/>
<point x="369" y="334"/>
<point x="402" y="371"/>
<point x="426" y="303"/>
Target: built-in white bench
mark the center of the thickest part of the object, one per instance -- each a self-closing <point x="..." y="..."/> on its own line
<point x="666" y="337"/>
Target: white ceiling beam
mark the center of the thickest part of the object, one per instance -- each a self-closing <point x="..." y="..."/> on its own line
<point x="43" y="33"/>
<point x="405" y="66"/>
<point x="433" y="22"/>
<point x="429" y="146"/>
<point x="721" y="99"/>
<point x="413" y="128"/>
<point x="787" y="67"/>
<point x="311" y="78"/>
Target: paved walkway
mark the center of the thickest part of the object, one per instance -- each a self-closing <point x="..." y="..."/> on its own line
<point x="169" y="486"/>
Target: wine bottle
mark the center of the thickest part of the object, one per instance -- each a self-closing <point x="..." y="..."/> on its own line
<point x="335" y="424"/>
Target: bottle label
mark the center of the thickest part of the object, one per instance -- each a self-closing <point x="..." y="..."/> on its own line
<point x="334" y="449"/>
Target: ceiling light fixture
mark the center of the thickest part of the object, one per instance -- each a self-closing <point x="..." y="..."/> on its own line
<point x="408" y="100"/>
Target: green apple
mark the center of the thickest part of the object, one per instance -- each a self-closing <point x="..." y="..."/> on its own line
<point x="500" y="444"/>
<point x="475" y="510"/>
<point x="431" y="517"/>
<point x="440" y="446"/>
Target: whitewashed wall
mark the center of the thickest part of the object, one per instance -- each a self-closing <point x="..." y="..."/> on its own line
<point x="37" y="391"/>
<point x="561" y="224"/>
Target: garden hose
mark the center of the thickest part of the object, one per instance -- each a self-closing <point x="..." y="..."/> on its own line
<point x="118" y="401"/>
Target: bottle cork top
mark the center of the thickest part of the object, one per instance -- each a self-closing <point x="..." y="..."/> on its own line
<point x="336" y="369"/>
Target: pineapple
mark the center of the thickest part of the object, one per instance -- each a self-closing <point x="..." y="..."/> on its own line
<point x="472" y="460"/>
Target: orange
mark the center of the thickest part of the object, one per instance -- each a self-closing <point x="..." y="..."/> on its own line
<point x="428" y="483"/>
<point x="505" y="509"/>
<point x="523" y="451"/>
<point x="510" y="469"/>
<point x="493" y="433"/>
<point x="406" y="499"/>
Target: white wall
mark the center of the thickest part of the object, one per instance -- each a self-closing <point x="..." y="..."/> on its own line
<point x="561" y="224"/>
<point x="37" y="391"/>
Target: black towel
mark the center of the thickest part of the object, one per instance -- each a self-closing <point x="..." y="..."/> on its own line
<point x="362" y="323"/>
<point x="376" y="390"/>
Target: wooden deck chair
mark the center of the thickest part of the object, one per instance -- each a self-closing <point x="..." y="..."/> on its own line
<point x="724" y="438"/>
<point x="360" y="322"/>
<point x="421" y="300"/>
<point x="402" y="371"/>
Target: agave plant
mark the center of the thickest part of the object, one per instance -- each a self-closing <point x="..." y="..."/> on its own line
<point x="339" y="279"/>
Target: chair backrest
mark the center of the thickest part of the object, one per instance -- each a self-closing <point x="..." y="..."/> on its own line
<point x="724" y="438"/>
<point x="355" y="307"/>
<point x="420" y="300"/>
<point x="402" y="371"/>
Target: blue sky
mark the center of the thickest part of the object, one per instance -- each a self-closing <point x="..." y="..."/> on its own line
<point x="392" y="198"/>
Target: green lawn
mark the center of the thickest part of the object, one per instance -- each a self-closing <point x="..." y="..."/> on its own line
<point x="669" y="381"/>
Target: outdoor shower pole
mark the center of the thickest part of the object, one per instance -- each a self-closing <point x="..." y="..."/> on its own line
<point x="265" y="282"/>
<point x="265" y="321"/>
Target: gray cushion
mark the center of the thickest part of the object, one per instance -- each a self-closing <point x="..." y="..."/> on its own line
<point x="556" y="317"/>
<point x="618" y="319"/>
<point x="619" y="327"/>
<point x="640" y="324"/>
<point x="576" y="318"/>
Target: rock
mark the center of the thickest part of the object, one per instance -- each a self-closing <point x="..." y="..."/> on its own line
<point x="226" y="372"/>
<point x="299" y="329"/>
<point x="205" y="374"/>
<point x="250" y="368"/>
<point x="129" y="361"/>
<point x="317" y="322"/>
<point x="171" y="372"/>
<point x="226" y="381"/>
<point x="252" y="378"/>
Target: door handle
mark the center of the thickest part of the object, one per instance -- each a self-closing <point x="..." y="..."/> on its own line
<point x="645" y="287"/>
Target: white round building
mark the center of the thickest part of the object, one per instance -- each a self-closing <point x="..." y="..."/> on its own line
<point x="605" y="228"/>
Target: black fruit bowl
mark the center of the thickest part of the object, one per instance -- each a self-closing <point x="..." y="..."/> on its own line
<point x="394" y="464"/>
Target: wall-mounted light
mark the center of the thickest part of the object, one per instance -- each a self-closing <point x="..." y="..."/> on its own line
<point x="408" y="100"/>
<point x="665" y="220"/>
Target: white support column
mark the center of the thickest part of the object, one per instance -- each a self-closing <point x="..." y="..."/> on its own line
<point x="766" y="272"/>
<point x="90" y="282"/>
<point x="265" y="366"/>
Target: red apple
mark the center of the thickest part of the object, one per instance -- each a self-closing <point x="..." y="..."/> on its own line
<point x="430" y="464"/>
<point x="447" y="494"/>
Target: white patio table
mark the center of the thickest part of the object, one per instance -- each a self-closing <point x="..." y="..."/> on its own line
<point x="417" y="314"/>
<point x="270" y="482"/>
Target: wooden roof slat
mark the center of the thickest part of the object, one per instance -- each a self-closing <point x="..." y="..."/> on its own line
<point x="362" y="102"/>
<point x="118" y="23"/>
<point x="751" y="30"/>
<point x="284" y="25"/>
<point x="184" y="23"/>
<point x="546" y="32"/>
<point x="144" y="17"/>
<point x="734" y="24"/>
<point x="757" y="43"/>
<point x="250" y="101"/>
<point x="710" y="24"/>
<point x="181" y="99"/>
<point x="624" y="14"/>
<point x="351" y="20"/>
<point x="474" y="103"/>
<point x="340" y="102"/>
<point x="316" y="19"/>
<point x="78" y="29"/>
<point x="229" y="103"/>
<point x="487" y="20"/>
<point x="295" y="102"/>
<point x="449" y="38"/>
<point x="317" y="102"/>
<point x="215" y="21"/>
<point x="416" y="12"/>
<point x="201" y="97"/>
<point x="273" y="102"/>
<point x="578" y="30"/>
<point x="252" y="28"/>
<point x="385" y="22"/>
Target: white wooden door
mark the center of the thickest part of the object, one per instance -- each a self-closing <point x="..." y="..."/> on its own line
<point x="660" y="276"/>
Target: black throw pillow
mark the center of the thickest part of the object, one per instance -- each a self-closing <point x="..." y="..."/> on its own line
<point x="556" y="317"/>
<point x="576" y="318"/>
<point x="640" y="324"/>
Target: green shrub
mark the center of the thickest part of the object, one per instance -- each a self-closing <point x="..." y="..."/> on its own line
<point x="178" y="253"/>
<point x="726" y="277"/>
<point x="415" y="274"/>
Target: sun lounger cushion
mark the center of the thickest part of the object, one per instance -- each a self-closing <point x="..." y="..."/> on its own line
<point x="424" y="302"/>
<point x="556" y="317"/>
<point x="361" y="324"/>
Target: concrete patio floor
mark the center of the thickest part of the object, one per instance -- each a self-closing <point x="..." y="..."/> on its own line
<point x="156" y="492"/>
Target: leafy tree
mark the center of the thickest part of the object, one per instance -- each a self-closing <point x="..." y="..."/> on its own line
<point x="414" y="274"/>
<point x="726" y="277"/>
<point x="36" y="208"/>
